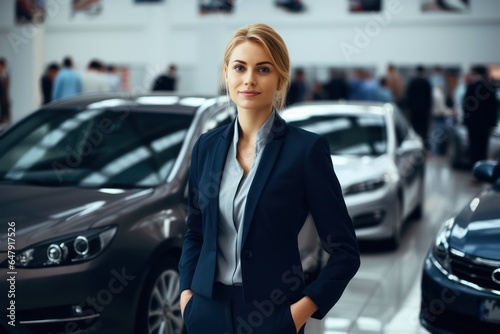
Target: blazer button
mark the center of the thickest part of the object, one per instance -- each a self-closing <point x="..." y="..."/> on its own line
<point x="247" y="254"/>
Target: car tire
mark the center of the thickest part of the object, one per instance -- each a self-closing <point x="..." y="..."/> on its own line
<point x="395" y="240"/>
<point x="159" y="307"/>
<point x="418" y="212"/>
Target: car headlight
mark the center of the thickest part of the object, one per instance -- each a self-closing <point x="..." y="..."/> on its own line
<point x="441" y="247"/>
<point x="368" y="185"/>
<point x="66" y="250"/>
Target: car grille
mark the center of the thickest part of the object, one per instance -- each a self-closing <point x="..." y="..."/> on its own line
<point x="450" y="321"/>
<point x="474" y="270"/>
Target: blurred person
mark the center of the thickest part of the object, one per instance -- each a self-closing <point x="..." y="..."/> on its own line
<point x="166" y="82"/>
<point x="384" y="94"/>
<point x="356" y="85"/>
<point x="113" y="79"/>
<point x="297" y="91"/>
<point x="395" y="83"/>
<point x="459" y="95"/>
<point x="369" y="86"/>
<point x="480" y="112"/>
<point x="251" y="186"/>
<point x="318" y="92"/>
<point x="93" y="80"/>
<point x="4" y="93"/>
<point x="362" y="86"/>
<point x="337" y="87"/>
<point x="67" y="82"/>
<point x="441" y="113"/>
<point x="419" y="102"/>
<point x="437" y="79"/>
<point x="47" y="82"/>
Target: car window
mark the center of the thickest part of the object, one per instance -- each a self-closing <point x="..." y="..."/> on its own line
<point x="94" y="148"/>
<point x="363" y="134"/>
<point x="222" y="117"/>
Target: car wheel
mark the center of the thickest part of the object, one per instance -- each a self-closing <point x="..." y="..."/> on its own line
<point x="419" y="209"/>
<point x="395" y="239"/>
<point x="159" y="310"/>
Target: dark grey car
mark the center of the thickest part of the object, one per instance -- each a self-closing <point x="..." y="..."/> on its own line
<point x="92" y="204"/>
<point x="461" y="274"/>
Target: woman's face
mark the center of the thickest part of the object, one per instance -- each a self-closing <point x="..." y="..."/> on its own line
<point x="251" y="77"/>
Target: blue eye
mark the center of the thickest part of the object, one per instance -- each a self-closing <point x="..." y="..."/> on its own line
<point x="264" y="70"/>
<point x="239" y="68"/>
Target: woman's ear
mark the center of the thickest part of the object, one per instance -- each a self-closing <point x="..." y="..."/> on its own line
<point x="225" y="73"/>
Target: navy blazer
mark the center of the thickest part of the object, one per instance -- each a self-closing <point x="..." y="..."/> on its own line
<point x="294" y="177"/>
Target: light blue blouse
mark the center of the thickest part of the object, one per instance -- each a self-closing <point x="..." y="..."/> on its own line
<point x="232" y="200"/>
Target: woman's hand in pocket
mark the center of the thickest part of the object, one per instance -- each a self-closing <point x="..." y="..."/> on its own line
<point x="186" y="295"/>
<point x="301" y="311"/>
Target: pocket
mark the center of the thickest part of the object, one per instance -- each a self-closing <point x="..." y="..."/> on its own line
<point x="293" y="328"/>
<point x="187" y="309"/>
<point x="289" y="324"/>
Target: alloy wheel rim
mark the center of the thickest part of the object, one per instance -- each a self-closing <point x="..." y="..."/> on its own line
<point x="164" y="312"/>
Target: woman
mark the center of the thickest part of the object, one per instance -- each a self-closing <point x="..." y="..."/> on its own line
<point x="251" y="186"/>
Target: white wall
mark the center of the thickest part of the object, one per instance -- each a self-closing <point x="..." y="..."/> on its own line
<point x="148" y="37"/>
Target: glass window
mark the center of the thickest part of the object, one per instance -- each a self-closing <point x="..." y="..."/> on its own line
<point x="93" y="148"/>
<point x="360" y="135"/>
<point x="222" y="117"/>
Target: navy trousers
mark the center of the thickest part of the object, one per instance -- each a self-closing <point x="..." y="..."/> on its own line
<point x="227" y="313"/>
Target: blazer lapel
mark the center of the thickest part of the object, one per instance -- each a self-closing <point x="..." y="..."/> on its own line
<point x="269" y="155"/>
<point x="217" y="168"/>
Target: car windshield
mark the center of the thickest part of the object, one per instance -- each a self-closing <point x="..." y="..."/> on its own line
<point x="93" y="148"/>
<point x="352" y="134"/>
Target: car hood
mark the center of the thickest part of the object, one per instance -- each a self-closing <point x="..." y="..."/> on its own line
<point x="353" y="169"/>
<point x="477" y="228"/>
<point x="42" y="213"/>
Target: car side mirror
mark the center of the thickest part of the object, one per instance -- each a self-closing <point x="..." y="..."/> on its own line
<point x="487" y="170"/>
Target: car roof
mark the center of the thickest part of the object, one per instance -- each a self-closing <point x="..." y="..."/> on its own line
<point x="160" y="102"/>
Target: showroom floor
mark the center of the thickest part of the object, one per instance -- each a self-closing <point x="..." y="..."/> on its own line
<point x="384" y="296"/>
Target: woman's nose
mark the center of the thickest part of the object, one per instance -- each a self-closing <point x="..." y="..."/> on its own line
<point x="250" y="79"/>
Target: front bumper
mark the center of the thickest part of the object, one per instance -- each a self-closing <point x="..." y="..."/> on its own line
<point x="374" y="213"/>
<point x="450" y="307"/>
<point x="95" y="296"/>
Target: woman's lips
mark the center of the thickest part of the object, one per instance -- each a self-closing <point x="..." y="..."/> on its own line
<point x="249" y="93"/>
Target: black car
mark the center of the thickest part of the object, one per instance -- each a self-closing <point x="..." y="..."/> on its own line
<point x="93" y="207"/>
<point x="461" y="274"/>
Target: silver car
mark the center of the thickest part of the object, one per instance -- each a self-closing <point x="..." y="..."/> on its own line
<point x="378" y="158"/>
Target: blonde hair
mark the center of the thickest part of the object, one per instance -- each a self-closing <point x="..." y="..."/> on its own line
<point x="274" y="46"/>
